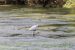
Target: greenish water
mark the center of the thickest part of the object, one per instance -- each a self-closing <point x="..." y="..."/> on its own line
<point x="56" y="29"/>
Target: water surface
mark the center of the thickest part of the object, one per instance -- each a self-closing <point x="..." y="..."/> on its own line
<point x="56" y="29"/>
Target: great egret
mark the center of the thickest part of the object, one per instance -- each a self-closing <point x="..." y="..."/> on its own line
<point x="33" y="28"/>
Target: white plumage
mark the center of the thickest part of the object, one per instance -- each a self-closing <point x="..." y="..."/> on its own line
<point x="33" y="28"/>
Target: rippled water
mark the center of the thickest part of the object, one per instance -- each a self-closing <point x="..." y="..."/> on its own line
<point x="55" y="32"/>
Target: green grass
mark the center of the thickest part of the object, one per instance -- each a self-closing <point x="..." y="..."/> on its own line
<point x="70" y="4"/>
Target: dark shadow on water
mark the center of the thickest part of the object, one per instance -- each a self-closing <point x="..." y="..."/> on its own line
<point x="13" y="35"/>
<point x="58" y="25"/>
<point x="61" y="36"/>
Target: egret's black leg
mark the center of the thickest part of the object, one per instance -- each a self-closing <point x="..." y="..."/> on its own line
<point x="34" y="33"/>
